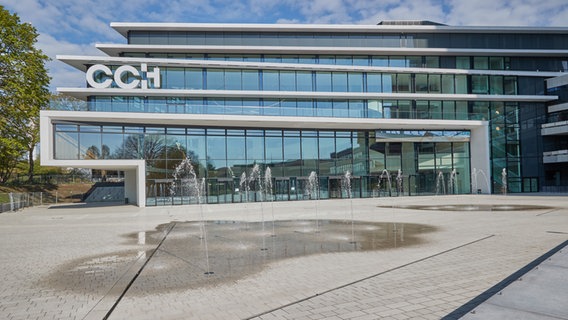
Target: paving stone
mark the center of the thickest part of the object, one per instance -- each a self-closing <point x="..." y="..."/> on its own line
<point x="62" y="262"/>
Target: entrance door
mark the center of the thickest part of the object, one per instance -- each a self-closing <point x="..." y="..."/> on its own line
<point x="334" y="187"/>
<point x="282" y="189"/>
<point x="212" y="191"/>
<point x="225" y="190"/>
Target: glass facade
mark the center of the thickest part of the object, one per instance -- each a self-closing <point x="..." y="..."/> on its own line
<point x="221" y="156"/>
<point x="556" y="64"/>
<point x="360" y="108"/>
<point x="472" y="40"/>
<point x="488" y="74"/>
<point x="326" y="81"/>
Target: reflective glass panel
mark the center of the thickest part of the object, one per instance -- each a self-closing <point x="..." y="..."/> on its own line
<point x="339" y="81"/>
<point x="270" y="80"/>
<point x="323" y="81"/>
<point x="304" y="81"/>
<point x="215" y="79"/>
<point x="287" y="81"/>
<point x="250" y="79"/>
<point x="355" y="81"/>
<point x="66" y="146"/>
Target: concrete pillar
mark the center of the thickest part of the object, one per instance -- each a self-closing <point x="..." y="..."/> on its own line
<point x="134" y="186"/>
<point x="480" y="148"/>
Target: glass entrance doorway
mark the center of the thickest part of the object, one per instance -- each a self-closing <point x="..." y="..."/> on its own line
<point x="220" y="190"/>
<point x="334" y="187"/>
<point x="282" y="188"/>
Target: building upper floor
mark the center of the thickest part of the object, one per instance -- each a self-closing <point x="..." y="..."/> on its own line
<point x="314" y="68"/>
<point x="390" y="34"/>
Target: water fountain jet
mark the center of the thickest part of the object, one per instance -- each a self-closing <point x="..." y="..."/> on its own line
<point x="313" y="192"/>
<point x="268" y="187"/>
<point x="440" y="183"/>
<point x="399" y="186"/>
<point x="385" y="175"/>
<point x="452" y="184"/>
<point x="186" y="175"/>
<point x="474" y="174"/>
<point x="504" y="181"/>
<point x="347" y="188"/>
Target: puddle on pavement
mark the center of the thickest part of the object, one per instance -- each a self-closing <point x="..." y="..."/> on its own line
<point x="472" y="207"/>
<point x="233" y="250"/>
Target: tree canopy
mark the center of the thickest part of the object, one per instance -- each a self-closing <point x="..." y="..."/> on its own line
<point x="23" y="91"/>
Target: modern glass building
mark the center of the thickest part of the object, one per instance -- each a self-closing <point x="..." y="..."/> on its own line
<point x="407" y="107"/>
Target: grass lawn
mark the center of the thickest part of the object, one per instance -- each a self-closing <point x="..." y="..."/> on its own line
<point x="4" y="198"/>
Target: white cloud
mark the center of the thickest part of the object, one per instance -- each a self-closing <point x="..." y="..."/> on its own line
<point x="61" y="74"/>
<point x="322" y="11"/>
<point x="508" y="12"/>
<point x="401" y="10"/>
<point x="288" y="21"/>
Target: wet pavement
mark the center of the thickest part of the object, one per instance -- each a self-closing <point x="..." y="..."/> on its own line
<point x="216" y="252"/>
<point x="398" y="258"/>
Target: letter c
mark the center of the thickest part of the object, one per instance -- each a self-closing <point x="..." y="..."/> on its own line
<point x="118" y="77"/>
<point x="89" y="75"/>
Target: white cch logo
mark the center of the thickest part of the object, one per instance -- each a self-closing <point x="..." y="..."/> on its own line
<point x="140" y="77"/>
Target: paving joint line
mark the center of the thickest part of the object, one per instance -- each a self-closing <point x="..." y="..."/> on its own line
<point x="484" y="296"/>
<point x="367" y="278"/>
<point x="547" y="212"/>
<point x="131" y="282"/>
<point x="100" y="301"/>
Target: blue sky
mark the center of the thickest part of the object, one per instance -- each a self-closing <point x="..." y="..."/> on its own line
<point x="72" y="27"/>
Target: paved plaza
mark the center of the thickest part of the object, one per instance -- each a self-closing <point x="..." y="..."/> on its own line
<point x="124" y="262"/>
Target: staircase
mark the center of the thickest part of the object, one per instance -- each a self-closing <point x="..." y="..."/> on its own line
<point x="105" y="192"/>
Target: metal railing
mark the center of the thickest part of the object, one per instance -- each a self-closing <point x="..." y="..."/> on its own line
<point x="63" y="179"/>
<point x="15" y="201"/>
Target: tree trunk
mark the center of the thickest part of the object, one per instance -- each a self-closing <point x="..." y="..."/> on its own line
<point x="31" y="164"/>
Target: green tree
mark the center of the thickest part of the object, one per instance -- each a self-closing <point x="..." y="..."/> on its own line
<point x="23" y="92"/>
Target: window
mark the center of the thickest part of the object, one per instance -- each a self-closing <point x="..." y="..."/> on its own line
<point x="496" y="84"/>
<point x="432" y="62"/>
<point x="510" y="85"/>
<point x="461" y="84"/>
<point x="434" y="83"/>
<point x="215" y="79"/>
<point x="355" y="81"/>
<point x="193" y="78"/>
<point x="374" y="82"/>
<point x="323" y="81"/>
<point x="250" y="80"/>
<point x="304" y="81"/>
<point x="481" y="63"/>
<point x="388" y="83"/>
<point x="232" y="79"/>
<point x="462" y="63"/>
<point x="403" y="83"/>
<point x="287" y="81"/>
<point x="174" y="78"/>
<point x="421" y="83"/>
<point x="380" y="61"/>
<point x="479" y="84"/>
<point x="447" y="83"/>
<point x="270" y="80"/>
<point x="496" y="63"/>
<point x="339" y="81"/>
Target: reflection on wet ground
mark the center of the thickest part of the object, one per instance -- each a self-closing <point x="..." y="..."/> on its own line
<point x="472" y="207"/>
<point x="231" y="250"/>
